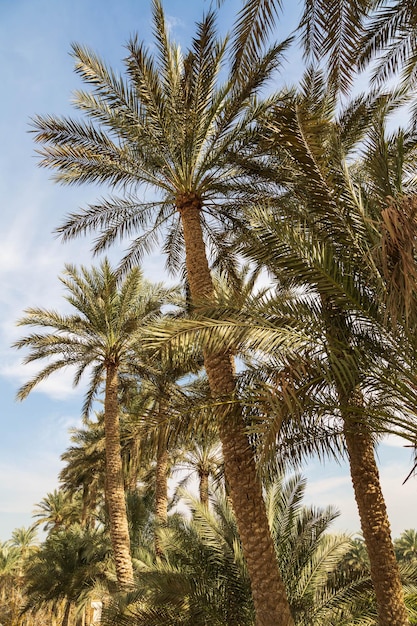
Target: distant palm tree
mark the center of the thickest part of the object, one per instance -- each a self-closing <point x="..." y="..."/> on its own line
<point x="155" y="418"/>
<point x="406" y="545"/>
<point x="66" y="569"/>
<point x="101" y="335"/>
<point x="202" y="459"/>
<point x="10" y="582"/>
<point x="84" y="469"/>
<point x="57" y="510"/>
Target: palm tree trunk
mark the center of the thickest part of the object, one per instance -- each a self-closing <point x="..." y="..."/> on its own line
<point x="204" y="488"/>
<point x="375" y="525"/>
<point x="133" y="464"/>
<point x="268" y="591"/>
<point x="161" y="488"/>
<point x="115" y="492"/>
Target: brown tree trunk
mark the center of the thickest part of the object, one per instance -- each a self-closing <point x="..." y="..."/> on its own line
<point x="375" y="526"/>
<point x="268" y="591"/>
<point x="161" y="488"/>
<point x="133" y="464"/>
<point x="204" y="488"/>
<point x="115" y="492"/>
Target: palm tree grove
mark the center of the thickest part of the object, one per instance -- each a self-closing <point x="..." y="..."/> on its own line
<point x="282" y="331"/>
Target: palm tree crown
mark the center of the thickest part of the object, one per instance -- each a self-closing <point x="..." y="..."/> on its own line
<point x="169" y="126"/>
<point x="104" y="330"/>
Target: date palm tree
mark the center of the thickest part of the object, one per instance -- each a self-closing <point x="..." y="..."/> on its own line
<point x="155" y="414"/>
<point x="406" y="545"/>
<point x="65" y="569"/>
<point x="84" y="469"/>
<point x="201" y="459"/>
<point x="100" y="335"/>
<point x="169" y="126"/>
<point x="10" y="581"/>
<point x="327" y="230"/>
<point x="321" y="235"/>
<point x="56" y="510"/>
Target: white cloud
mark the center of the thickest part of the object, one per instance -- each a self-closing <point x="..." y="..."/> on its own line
<point x="173" y="22"/>
<point x="326" y="485"/>
<point x="58" y="385"/>
<point x="393" y="441"/>
<point x="331" y="485"/>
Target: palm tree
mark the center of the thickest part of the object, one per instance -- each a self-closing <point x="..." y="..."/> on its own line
<point x="84" y="469"/>
<point x="101" y="335"/>
<point x="65" y="569"/>
<point x="57" y="509"/>
<point x="170" y="126"/>
<point x="201" y="458"/>
<point x="10" y="582"/>
<point x="317" y="233"/>
<point x="323" y="246"/>
<point x="24" y="540"/>
<point x="406" y="545"/>
<point x="157" y="416"/>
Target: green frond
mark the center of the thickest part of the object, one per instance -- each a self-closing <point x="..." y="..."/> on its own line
<point x="392" y="32"/>
<point x="107" y="324"/>
<point x="255" y="21"/>
<point x="332" y="30"/>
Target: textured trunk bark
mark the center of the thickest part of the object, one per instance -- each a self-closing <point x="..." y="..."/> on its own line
<point x="204" y="488"/>
<point x="375" y="526"/>
<point x="115" y="492"/>
<point x="133" y="465"/>
<point x="161" y="488"/>
<point x="365" y="477"/>
<point x="268" y="591"/>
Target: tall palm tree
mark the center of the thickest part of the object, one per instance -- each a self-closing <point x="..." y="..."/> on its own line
<point x="318" y="232"/>
<point x="324" y="246"/>
<point x="100" y="335"/>
<point x="170" y="126"/>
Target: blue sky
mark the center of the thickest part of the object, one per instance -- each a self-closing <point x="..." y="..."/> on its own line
<point x="37" y="77"/>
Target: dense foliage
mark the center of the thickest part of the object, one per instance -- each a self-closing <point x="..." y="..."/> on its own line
<point x="220" y="378"/>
